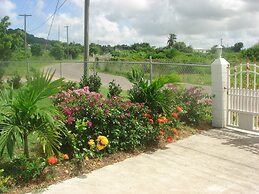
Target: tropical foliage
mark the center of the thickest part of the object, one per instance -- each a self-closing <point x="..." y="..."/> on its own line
<point x="28" y="111"/>
<point x="154" y="95"/>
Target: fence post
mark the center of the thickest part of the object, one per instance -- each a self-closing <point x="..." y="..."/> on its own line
<point x="95" y="64"/>
<point x="151" y="68"/>
<point x="60" y="69"/>
<point x="219" y="90"/>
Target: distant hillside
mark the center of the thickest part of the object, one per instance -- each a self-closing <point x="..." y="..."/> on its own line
<point x="31" y="39"/>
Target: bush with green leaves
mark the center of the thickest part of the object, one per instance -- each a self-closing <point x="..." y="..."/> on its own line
<point x="4" y="180"/>
<point x="22" y="170"/>
<point x="154" y="95"/>
<point x="93" y="82"/>
<point x="88" y="115"/>
<point x="15" y="81"/>
<point x="114" y="89"/>
<point x="70" y="85"/>
<point x="28" y="111"/>
<point x="195" y="103"/>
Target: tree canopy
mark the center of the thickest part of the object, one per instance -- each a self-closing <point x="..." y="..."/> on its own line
<point x="9" y="41"/>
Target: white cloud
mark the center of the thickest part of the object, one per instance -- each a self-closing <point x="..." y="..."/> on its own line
<point x="201" y="23"/>
<point x="7" y="8"/>
<point x="39" y="8"/>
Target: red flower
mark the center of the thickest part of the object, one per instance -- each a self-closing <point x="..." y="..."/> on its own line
<point x="66" y="157"/>
<point x="162" y="131"/>
<point x="174" y="130"/>
<point x="151" y="121"/>
<point x="147" y="115"/>
<point x="175" y="115"/>
<point x="52" y="160"/>
<point x="179" y="109"/>
<point x="170" y="139"/>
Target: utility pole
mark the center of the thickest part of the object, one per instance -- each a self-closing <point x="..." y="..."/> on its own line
<point x="86" y="38"/>
<point x="25" y="40"/>
<point x="67" y="42"/>
<point x="58" y="33"/>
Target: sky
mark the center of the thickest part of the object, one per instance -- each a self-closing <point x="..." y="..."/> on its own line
<point x="199" y="23"/>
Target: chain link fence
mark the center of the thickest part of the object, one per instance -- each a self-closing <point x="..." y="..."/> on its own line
<point x="189" y="74"/>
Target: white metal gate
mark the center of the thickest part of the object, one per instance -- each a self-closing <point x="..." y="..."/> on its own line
<point x="243" y="96"/>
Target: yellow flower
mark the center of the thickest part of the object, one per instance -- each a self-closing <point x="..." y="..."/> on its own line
<point x="102" y="140"/>
<point x="100" y="147"/>
<point x="91" y="142"/>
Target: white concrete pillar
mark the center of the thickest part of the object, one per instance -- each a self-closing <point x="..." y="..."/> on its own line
<point x="219" y="92"/>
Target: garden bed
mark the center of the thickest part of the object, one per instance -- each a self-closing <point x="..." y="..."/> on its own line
<point x="53" y="132"/>
<point x="68" y="169"/>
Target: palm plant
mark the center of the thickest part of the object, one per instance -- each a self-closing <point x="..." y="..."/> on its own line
<point x="171" y="40"/>
<point x="154" y="95"/>
<point x="29" y="110"/>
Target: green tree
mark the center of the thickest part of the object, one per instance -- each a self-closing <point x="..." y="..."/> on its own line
<point x="57" y="51"/>
<point x="8" y="41"/>
<point x="238" y="46"/>
<point x="95" y="49"/>
<point x="181" y="46"/>
<point x="30" y="111"/>
<point x="171" y="40"/>
<point x="252" y="53"/>
<point x="36" y="50"/>
<point x="75" y="49"/>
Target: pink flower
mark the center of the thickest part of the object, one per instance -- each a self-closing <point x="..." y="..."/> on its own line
<point x="70" y="120"/>
<point x="90" y="124"/>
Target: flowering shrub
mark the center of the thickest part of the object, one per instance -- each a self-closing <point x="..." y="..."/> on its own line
<point x="167" y="128"/>
<point x="97" y="125"/>
<point x="192" y="103"/>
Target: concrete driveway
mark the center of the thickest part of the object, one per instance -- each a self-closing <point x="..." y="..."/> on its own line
<point x="215" y="161"/>
<point x="74" y="72"/>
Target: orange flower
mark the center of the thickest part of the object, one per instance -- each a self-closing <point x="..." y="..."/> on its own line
<point x="174" y="130"/>
<point x="159" y="120"/>
<point x="175" y="115"/>
<point x="162" y="120"/>
<point x="179" y="109"/>
<point x="52" y="160"/>
<point x="147" y="115"/>
<point x="170" y="139"/>
<point x="66" y="157"/>
<point x="162" y="131"/>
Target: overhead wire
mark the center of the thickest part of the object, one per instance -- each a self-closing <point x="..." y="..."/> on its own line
<point x="56" y="9"/>
<point x="48" y="18"/>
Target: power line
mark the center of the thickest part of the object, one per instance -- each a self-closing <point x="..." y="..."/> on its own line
<point x="56" y="9"/>
<point x="48" y="18"/>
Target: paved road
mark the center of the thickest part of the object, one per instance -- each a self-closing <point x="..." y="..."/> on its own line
<point x="216" y="161"/>
<point x="74" y="71"/>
